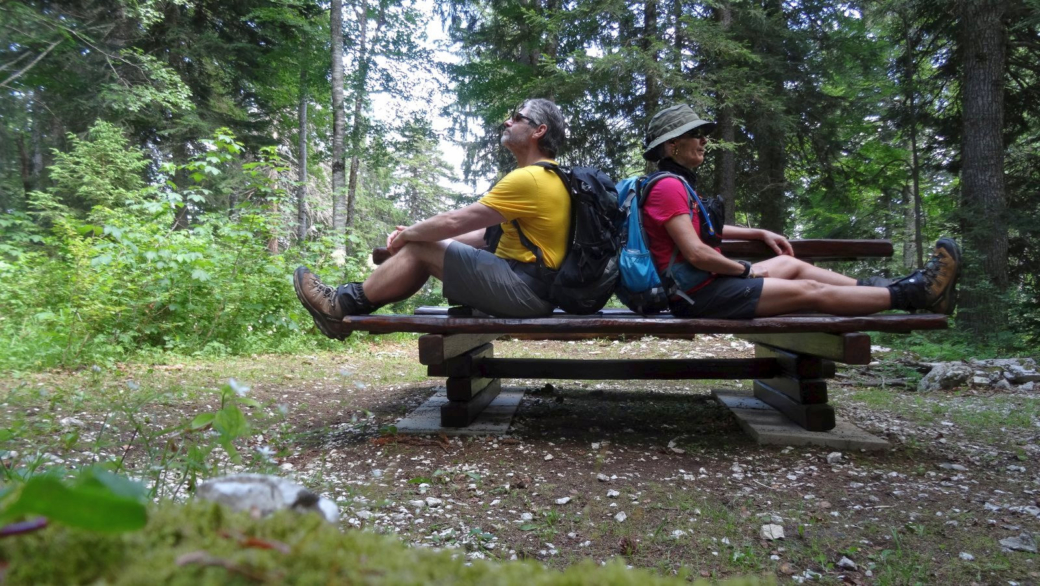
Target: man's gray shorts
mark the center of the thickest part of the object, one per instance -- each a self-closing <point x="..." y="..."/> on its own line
<point x="483" y="281"/>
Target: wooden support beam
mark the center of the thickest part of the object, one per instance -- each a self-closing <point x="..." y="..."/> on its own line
<point x="462" y="413"/>
<point x="797" y="365"/>
<point x="436" y="348"/>
<point x="463" y="365"/>
<point x="465" y="388"/>
<point x="811" y="417"/>
<point x="849" y="348"/>
<point x="650" y="369"/>
<point x="805" y="391"/>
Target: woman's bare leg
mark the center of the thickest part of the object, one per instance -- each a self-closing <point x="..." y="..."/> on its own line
<point x="780" y="296"/>
<point x="788" y="267"/>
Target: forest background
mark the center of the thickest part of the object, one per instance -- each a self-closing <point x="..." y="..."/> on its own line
<point x="165" y="164"/>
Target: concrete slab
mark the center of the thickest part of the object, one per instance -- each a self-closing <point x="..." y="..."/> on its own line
<point x="494" y="420"/>
<point x="770" y="427"/>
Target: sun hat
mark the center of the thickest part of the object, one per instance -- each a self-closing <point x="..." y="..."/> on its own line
<point x="671" y="123"/>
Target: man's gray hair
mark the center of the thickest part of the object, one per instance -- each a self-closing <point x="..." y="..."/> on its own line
<point x="548" y="113"/>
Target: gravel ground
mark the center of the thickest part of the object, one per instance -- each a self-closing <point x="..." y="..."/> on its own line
<point x="652" y="471"/>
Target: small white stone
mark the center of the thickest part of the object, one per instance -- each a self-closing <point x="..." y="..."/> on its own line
<point x="613" y="494"/>
<point x="526" y="517"/>
<point x="364" y="514"/>
<point x="620" y="517"/>
<point x="563" y="501"/>
<point x="548" y="457"/>
<point x="433" y="502"/>
<point x="678" y="533"/>
<point x="595" y="445"/>
<point x="966" y="556"/>
<point x="418" y="504"/>
<point x="602" y="478"/>
<point x="846" y="563"/>
<point x="834" y="458"/>
<point x="772" y="532"/>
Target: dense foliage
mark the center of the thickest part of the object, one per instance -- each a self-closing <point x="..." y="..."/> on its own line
<point x="164" y="165"/>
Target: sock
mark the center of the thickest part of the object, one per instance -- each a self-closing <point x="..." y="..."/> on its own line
<point x="874" y="282"/>
<point x="351" y="297"/>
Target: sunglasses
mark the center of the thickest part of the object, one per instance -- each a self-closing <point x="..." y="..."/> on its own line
<point x="695" y="133"/>
<point x="517" y="117"/>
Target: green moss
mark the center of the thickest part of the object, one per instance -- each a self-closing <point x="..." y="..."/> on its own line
<point x="318" y="553"/>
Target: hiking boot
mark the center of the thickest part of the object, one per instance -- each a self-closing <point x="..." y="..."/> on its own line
<point x="322" y="302"/>
<point x="933" y="288"/>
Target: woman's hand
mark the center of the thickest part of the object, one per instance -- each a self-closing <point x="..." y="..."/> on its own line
<point x="778" y="243"/>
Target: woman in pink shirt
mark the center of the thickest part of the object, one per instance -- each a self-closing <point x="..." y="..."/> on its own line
<point x="711" y="285"/>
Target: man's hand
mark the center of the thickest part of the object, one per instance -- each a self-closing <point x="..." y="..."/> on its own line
<point x="394" y="241"/>
<point x="778" y="243"/>
<point x="393" y="236"/>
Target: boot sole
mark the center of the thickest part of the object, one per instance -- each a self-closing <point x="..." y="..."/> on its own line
<point x="320" y="321"/>
<point x="949" y="297"/>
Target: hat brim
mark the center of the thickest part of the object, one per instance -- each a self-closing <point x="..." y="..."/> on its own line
<point x="709" y="127"/>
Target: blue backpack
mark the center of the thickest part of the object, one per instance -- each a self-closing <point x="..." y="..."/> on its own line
<point x="640" y="287"/>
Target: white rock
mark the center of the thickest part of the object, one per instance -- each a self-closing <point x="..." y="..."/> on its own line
<point x="772" y="532"/>
<point x="526" y="517"/>
<point x="1002" y="385"/>
<point x="620" y="517"/>
<point x="70" y="422"/>
<point x="364" y="514"/>
<point x="1024" y="542"/>
<point x="548" y="457"/>
<point x="602" y="478"/>
<point x="563" y="501"/>
<point x="945" y="375"/>
<point x="433" y="502"/>
<point x="418" y="504"/>
<point x="834" y="458"/>
<point x="954" y="467"/>
<point x="595" y="445"/>
<point x="678" y="533"/>
<point x="846" y="563"/>
<point x="966" y="556"/>
<point x="265" y="494"/>
<point x="991" y="507"/>
<point x="613" y="494"/>
<point x="1028" y="387"/>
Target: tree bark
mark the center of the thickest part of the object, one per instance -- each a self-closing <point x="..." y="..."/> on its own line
<point x="726" y="168"/>
<point x="301" y="191"/>
<point x="984" y="201"/>
<point x="339" y="204"/>
<point x="910" y="93"/>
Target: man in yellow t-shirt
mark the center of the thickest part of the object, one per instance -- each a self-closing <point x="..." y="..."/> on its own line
<point x="450" y="245"/>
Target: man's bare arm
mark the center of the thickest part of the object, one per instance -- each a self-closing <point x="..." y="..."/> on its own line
<point x="454" y="224"/>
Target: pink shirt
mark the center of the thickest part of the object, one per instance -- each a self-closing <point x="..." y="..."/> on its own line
<point x="667" y="199"/>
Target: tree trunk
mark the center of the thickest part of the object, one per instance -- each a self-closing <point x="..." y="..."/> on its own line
<point x="301" y="191"/>
<point x="910" y="92"/>
<point x="726" y="168"/>
<point x="725" y="130"/>
<point x="339" y="204"/>
<point x="984" y="223"/>
<point x="911" y="253"/>
<point x="360" y="85"/>
<point x="652" y="91"/>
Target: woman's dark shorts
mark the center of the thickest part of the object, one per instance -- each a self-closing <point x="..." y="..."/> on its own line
<point x="483" y="281"/>
<point x="723" y="298"/>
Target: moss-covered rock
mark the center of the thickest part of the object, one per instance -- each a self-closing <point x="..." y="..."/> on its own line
<point x="202" y="543"/>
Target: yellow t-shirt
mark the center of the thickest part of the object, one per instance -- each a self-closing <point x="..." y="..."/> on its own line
<point x="538" y="200"/>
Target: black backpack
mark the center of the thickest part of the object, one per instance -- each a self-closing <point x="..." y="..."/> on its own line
<point x="585" y="281"/>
